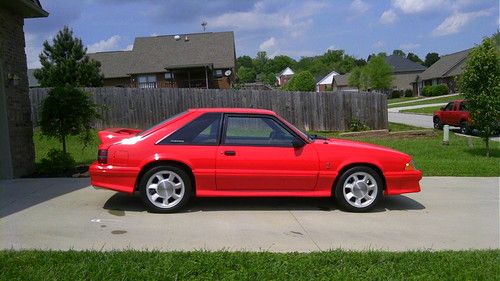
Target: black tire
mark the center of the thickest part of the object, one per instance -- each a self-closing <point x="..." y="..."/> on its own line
<point x="464" y="128"/>
<point x="186" y="195"/>
<point x="343" y="202"/>
<point x="437" y="123"/>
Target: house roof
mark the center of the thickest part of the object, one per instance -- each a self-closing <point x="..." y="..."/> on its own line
<point x="32" y="81"/>
<point x="446" y="66"/>
<point x="342" y="80"/>
<point x="26" y="8"/>
<point x="328" y="79"/>
<point x="401" y="64"/>
<point x="158" y="53"/>
<point x="286" y="71"/>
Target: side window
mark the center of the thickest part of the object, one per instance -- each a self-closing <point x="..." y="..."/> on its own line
<point x="449" y="107"/>
<point x="204" y="130"/>
<point x="259" y="131"/>
<point x="463" y="106"/>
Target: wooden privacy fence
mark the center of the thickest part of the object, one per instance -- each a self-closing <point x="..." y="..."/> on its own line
<point x="141" y="108"/>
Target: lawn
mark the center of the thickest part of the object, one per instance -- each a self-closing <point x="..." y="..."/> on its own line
<point x="437" y="100"/>
<point x="423" y="110"/>
<point x="81" y="154"/>
<point x="389" y="101"/>
<point x="201" y="265"/>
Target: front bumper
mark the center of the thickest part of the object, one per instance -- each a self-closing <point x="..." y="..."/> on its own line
<point x="122" y="179"/>
<point x="402" y="182"/>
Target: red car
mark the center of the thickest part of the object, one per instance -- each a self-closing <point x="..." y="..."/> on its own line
<point x="454" y="114"/>
<point x="230" y="152"/>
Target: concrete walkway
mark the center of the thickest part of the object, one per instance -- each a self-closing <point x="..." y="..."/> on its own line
<point x="449" y="213"/>
<point x="418" y="100"/>
<point x="397" y="109"/>
<point x="419" y="120"/>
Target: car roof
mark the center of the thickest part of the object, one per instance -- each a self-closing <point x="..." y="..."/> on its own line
<point x="235" y="110"/>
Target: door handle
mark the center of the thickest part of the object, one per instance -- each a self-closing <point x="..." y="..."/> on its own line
<point x="230" y="153"/>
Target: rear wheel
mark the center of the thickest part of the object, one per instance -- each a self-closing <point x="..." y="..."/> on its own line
<point x="165" y="189"/>
<point x="358" y="189"/>
<point x="437" y="123"/>
<point x="464" y="128"/>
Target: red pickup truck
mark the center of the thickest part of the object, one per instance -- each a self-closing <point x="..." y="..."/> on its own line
<point x="454" y="114"/>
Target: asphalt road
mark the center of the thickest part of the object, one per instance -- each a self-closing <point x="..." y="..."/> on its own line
<point x="449" y="213"/>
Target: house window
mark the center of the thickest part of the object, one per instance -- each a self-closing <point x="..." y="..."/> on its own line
<point x="169" y="75"/>
<point x="218" y="73"/>
<point x="147" y="81"/>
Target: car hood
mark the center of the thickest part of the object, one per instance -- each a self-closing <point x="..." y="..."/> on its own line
<point x="359" y="145"/>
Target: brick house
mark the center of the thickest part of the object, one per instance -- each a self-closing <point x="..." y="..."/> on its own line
<point x="326" y="83"/>
<point x="17" y="152"/>
<point x="198" y="60"/>
<point x="444" y="71"/>
<point x="284" y="76"/>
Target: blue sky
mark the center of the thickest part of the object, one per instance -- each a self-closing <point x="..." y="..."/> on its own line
<point x="294" y="28"/>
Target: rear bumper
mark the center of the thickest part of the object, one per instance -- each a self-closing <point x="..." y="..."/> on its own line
<point x="402" y="182"/>
<point x="116" y="178"/>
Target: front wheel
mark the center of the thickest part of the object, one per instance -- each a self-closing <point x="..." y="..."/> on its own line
<point x="464" y="128"/>
<point x="358" y="189"/>
<point x="437" y="123"/>
<point x="165" y="189"/>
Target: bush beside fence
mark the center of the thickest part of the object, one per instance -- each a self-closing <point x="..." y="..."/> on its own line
<point x="141" y="108"/>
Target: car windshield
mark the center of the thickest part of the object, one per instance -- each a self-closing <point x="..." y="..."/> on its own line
<point x="305" y="135"/>
<point x="153" y="128"/>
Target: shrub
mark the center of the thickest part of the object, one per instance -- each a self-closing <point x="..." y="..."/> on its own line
<point x="302" y="81"/>
<point x="56" y="163"/>
<point x="435" y="90"/>
<point x="395" y="94"/>
<point x="408" y="93"/>
<point x="356" y="125"/>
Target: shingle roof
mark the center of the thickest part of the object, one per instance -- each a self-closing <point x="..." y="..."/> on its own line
<point x="448" y="65"/>
<point x="114" y="64"/>
<point x="155" y="54"/>
<point x="401" y="64"/>
<point x="342" y="80"/>
<point x="328" y="79"/>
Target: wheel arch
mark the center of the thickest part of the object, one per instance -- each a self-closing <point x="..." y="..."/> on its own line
<point x="185" y="167"/>
<point x="346" y="167"/>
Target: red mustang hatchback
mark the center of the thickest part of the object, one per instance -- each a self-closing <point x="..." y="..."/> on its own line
<point x="225" y="152"/>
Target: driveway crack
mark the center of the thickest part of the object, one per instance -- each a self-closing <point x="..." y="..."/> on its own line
<point x="305" y="230"/>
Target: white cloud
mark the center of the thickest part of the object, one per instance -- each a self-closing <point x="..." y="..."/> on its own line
<point x="33" y="50"/>
<point x="418" y="6"/>
<point x="409" y="46"/>
<point x="359" y="6"/>
<point x="456" y="21"/>
<point x="332" y="48"/>
<point x="129" y="47"/>
<point x="104" y="45"/>
<point x="379" y="44"/>
<point x="268" y="45"/>
<point x="388" y="17"/>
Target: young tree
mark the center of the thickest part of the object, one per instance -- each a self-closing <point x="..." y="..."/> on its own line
<point x="355" y="78"/>
<point x="480" y="84"/>
<point x="67" y="111"/>
<point x="430" y="59"/>
<point x="245" y="61"/>
<point x="302" y="81"/>
<point x="379" y="73"/>
<point x="399" y="53"/>
<point x="246" y="75"/>
<point x="65" y="63"/>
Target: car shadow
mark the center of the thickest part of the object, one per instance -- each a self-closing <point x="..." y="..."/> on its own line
<point x="132" y="203"/>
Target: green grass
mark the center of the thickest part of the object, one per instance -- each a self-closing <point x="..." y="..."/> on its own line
<point x="201" y="265"/>
<point x="437" y="100"/>
<point x="436" y="159"/>
<point x="389" y="101"/>
<point x="423" y="110"/>
<point x="397" y="127"/>
<point x="81" y="154"/>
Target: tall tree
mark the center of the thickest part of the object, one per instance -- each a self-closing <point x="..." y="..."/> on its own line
<point x="246" y="74"/>
<point x="431" y="58"/>
<point x="480" y="84"/>
<point x="65" y="62"/>
<point x="302" y="81"/>
<point x="245" y="61"/>
<point x="399" y="53"/>
<point x="414" y="58"/>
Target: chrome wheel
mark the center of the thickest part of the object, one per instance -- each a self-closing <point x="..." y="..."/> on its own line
<point x="360" y="189"/>
<point x="165" y="189"/>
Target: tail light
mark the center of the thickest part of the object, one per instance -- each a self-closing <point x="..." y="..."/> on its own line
<point x="102" y="156"/>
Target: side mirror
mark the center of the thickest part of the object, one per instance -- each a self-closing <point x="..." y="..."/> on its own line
<point x="442" y="108"/>
<point x="297" y="143"/>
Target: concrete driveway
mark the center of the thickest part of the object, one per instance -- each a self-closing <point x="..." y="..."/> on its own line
<point x="449" y="213"/>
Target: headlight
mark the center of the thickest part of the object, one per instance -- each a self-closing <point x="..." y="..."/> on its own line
<point x="410" y="166"/>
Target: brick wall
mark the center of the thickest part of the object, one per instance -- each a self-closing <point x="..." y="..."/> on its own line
<point x="13" y="60"/>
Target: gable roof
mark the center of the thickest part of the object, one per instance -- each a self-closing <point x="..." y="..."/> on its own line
<point x="328" y="79"/>
<point x="342" y="80"/>
<point x="286" y="71"/>
<point x="446" y="66"/>
<point x="158" y="53"/>
<point x="25" y="8"/>
<point x="401" y="64"/>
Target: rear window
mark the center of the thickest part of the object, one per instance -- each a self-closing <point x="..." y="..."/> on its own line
<point x="154" y="127"/>
<point x="204" y="130"/>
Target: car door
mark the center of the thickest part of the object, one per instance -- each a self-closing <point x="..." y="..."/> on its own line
<point x="257" y="153"/>
<point x="447" y="113"/>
